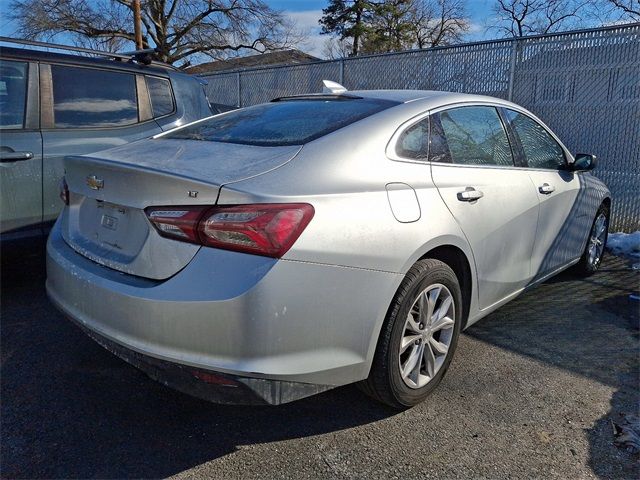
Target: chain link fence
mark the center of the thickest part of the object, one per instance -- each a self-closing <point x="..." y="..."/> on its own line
<point x="585" y="85"/>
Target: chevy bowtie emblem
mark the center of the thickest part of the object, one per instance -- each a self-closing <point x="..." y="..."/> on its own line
<point x="95" y="183"/>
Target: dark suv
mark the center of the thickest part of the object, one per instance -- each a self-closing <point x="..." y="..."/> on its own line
<point x="55" y="104"/>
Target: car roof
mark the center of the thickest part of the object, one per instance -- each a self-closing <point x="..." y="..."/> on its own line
<point x="433" y="96"/>
<point x="425" y="98"/>
<point x="81" y="60"/>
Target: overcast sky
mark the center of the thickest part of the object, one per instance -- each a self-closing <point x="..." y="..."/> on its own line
<point x="306" y="14"/>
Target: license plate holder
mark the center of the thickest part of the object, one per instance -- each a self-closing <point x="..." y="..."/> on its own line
<point x="113" y="221"/>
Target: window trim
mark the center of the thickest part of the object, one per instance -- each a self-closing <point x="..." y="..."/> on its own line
<point x="32" y="114"/>
<point x="47" y="119"/>
<point x="514" y="142"/>
<point x="145" y="110"/>
<point x="46" y="96"/>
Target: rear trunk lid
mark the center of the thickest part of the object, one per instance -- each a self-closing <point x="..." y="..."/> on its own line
<point x="109" y="190"/>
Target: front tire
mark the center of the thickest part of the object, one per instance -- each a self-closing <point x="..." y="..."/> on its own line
<point x="594" y="251"/>
<point x="418" y="337"/>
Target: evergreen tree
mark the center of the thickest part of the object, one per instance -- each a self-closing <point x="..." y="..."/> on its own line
<point x="348" y="19"/>
<point x="392" y="25"/>
<point x="391" y="28"/>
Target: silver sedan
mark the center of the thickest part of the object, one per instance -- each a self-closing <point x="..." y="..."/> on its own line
<point x="273" y="252"/>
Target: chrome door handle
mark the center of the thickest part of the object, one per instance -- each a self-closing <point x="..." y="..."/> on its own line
<point x="546" y="189"/>
<point x="6" y="157"/>
<point x="470" y="194"/>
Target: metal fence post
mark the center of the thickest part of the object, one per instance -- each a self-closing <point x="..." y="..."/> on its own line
<point x="239" y="90"/>
<point x="512" y="68"/>
<point x="341" y="82"/>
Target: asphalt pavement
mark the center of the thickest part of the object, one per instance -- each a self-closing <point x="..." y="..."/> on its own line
<point x="532" y="392"/>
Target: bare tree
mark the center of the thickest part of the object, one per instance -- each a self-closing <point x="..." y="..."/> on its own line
<point x="334" y="48"/>
<point x="628" y="7"/>
<point x="438" y="22"/>
<point x="103" y="44"/>
<point x="178" y="29"/>
<point x="608" y="11"/>
<point x="525" y="17"/>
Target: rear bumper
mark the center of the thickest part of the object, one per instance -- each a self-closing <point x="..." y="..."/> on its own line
<point x="212" y="386"/>
<point x="287" y="322"/>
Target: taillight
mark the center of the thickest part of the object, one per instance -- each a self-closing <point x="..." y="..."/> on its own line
<point x="176" y="223"/>
<point x="263" y="229"/>
<point x="64" y="191"/>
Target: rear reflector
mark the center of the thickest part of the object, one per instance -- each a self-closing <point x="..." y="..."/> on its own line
<point x="263" y="229"/>
<point x="214" y="379"/>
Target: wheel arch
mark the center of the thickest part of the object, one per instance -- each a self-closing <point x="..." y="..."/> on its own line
<point x="454" y="251"/>
<point x="452" y="256"/>
<point x="457" y="260"/>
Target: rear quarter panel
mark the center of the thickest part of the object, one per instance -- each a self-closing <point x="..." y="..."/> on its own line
<point x="344" y="176"/>
<point x="191" y="102"/>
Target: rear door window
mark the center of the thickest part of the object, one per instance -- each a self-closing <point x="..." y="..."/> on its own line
<point x="86" y="97"/>
<point x="540" y="149"/>
<point x="286" y="122"/>
<point x="13" y="94"/>
<point x="161" y="97"/>
<point x="470" y="136"/>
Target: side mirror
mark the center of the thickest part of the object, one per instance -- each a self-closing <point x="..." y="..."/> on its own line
<point x="584" y="162"/>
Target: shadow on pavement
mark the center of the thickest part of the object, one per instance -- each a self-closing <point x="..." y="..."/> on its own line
<point x="71" y="409"/>
<point x="588" y="326"/>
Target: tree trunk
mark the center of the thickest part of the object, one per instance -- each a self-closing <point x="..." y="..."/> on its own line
<point x="356" y="32"/>
<point x="136" y="24"/>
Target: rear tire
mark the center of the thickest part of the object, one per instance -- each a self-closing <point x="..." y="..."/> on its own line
<point x="418" y="337"/>
<point x="594" y="250"/>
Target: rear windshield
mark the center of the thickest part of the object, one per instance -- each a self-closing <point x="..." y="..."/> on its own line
<point x="284" y="122"/>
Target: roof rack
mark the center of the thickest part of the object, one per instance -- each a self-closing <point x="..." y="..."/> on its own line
<point x="143" y="57"/>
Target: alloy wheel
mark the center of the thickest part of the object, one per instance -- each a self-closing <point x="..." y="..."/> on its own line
<point x="427" y="335"/>
<point x="597" y="239"/>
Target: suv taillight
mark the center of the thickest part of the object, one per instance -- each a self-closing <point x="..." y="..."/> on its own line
<point x="268" y="229"/>
<point x="64" y="191"/>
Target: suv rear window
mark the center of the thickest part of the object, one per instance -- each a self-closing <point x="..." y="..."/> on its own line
<point x="284" y="122"/>
<point x="161" y="98"/>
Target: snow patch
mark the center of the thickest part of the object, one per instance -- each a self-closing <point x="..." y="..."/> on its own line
<point x="625" y="245"/>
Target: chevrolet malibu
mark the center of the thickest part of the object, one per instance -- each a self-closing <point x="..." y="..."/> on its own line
<point x="277" y="251"/>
